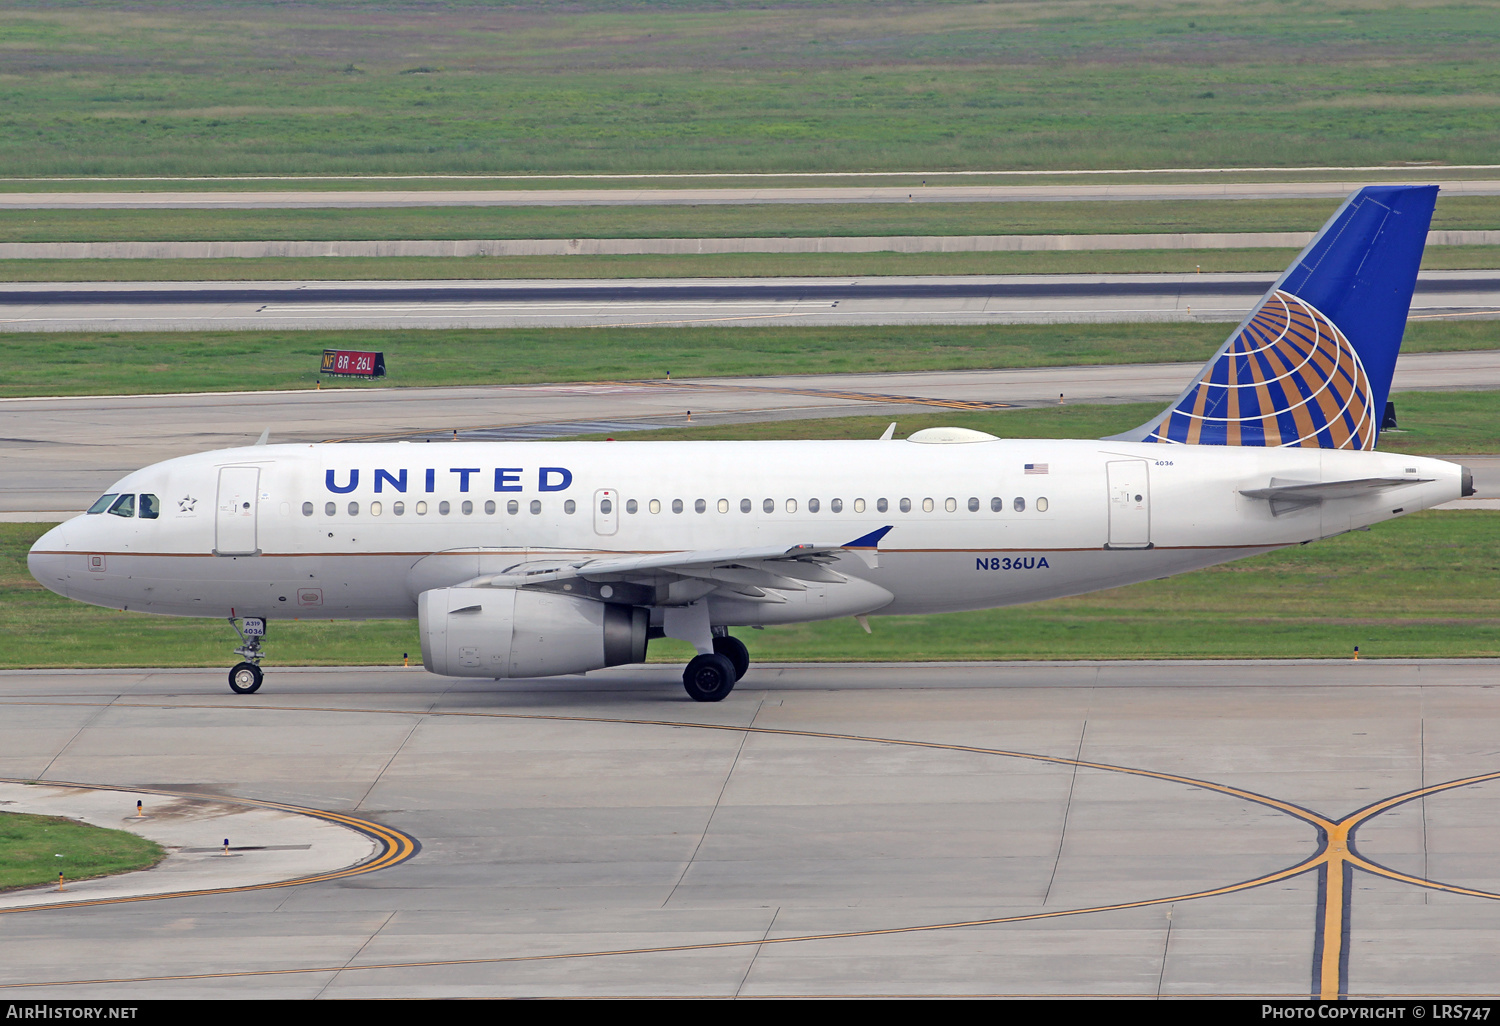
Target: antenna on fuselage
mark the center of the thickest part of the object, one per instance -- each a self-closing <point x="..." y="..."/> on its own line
<point x="264" y="437"/>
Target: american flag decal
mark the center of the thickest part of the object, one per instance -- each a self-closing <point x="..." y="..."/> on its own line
<point x="1036" y="468"/>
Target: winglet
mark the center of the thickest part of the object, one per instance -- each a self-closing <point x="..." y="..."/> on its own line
<point x="868" y="541"/>
<point x="866" y="546"/>
<point x="265" y="436"/>
<point x="890" y="432"/>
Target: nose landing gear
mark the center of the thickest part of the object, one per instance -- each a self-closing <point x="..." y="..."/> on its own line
<point x="245" y="677"/>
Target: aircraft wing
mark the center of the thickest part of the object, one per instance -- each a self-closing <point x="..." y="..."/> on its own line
<point x="747" y="572"/>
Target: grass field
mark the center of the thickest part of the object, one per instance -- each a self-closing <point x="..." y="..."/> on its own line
<point x="1432" y="424"/>
<point x="772" y="220"/>
<point x="34" y="849"/>
<point x="65" y="363"/>
<point x="253" y="86"/>
<point x="1316" y="601"/>
<point x="723" y="265"/>
<point x="1398" y="172"/>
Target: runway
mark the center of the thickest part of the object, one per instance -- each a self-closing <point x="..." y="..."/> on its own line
<point x="1283" y="829"/>
<point x="972" y="299"/>
<point x="680" y="196"/>
<point x="59" y="454"/>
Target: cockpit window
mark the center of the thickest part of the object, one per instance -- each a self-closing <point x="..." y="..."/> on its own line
<point x="124" y="506"/>
<point x="103" y="503"/>
<point x="150" y="507"/>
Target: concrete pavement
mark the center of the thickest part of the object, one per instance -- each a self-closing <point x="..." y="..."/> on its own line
<point x="1023" y="829"/>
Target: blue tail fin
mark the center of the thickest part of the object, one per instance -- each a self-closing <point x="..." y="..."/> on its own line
<point x="1312" y="364"/>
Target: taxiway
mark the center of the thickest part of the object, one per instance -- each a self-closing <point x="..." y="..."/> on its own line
<point x="1096" y="829"/>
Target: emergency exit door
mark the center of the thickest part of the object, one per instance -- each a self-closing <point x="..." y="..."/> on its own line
<point x="1129" y="505"/>
<point x="606" y="511"/>
<point x="234" y="514"/>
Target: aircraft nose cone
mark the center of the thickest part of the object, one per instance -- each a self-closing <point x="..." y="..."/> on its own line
<point x="48" y="560"/>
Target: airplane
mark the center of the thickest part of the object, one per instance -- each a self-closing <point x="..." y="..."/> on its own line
<point x="531" y="559"/>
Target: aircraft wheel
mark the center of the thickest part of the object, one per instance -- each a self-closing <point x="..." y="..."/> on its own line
<point x="245" y="679"/>
<point x="735" y="651"/>
<point x="709" y="678"/>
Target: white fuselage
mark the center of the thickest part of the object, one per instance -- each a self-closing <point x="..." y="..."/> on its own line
<point x="312" y="531"/>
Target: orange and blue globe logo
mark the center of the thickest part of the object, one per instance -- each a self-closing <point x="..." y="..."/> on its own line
<point x="1288" y="378"/>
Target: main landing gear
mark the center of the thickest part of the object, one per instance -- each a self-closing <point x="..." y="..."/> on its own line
<point x="711" y="677"/>
<point x="245" y="677"/>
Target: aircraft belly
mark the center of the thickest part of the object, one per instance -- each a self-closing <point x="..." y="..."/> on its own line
<point x="944" y="583"/>
<point x="278" y="587"/>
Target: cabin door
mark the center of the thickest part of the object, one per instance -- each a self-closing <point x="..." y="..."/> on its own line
<point x="234" y="516"/>
<point x="1129" y="505"/>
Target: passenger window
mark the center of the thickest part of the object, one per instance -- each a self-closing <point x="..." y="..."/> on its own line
<point x="769" y="505"/>
<point x="443" y="508"/>
<point x="881" y="505"/>
<point x="812" y="505"/>
<point x="421" y="507"/>
<point x="950" y="504"/>
<point x="330" y="508"/>
<point x="676" y="505"/>
<point x="354" y="509"/>
<point x="512" y="507"/>
<point x="536" y="506"/>
<point x="723" y="505"/>
<point x="973" y="504"/>
<point x="926" y="505"/>
<point x="570" y="507"/>
<point x="1019" y="505"/>
<point x="307" y="509"/>
<point x="631" y="506"/>
<point x="859" y="505"/>
<point x="150" y="507"/>
<point x="398" y="508"/>
<point x="1041" y="505"/>
<point x="467" y="508"/>
<point x="745" y="505"/>
<point x="489" y="507"/>
<point x="906" y="505"/>
<point x="605" y="506"/>
<point x="654" y="505"/>
<point x="837" y="505"/>
<point x="791" y="505"/>
<point x="997" y="505"/>
<point x="124" y="506"/>
<point x="699" y="506"/>
<point x="375" y="509"/>
<point x="103" y="503"/>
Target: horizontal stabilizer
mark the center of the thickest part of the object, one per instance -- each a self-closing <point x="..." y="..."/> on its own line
<point x="1290" y="496"/>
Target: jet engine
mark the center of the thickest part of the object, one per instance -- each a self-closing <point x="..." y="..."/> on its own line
<point x="510" y="632"/>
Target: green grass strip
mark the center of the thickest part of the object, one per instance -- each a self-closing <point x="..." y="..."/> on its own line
<point x="1421" y="585"/>
<point x="771" y="220"/>
<point x="1432" y="424"/>
<point x="716" y="265"/>
<point x="108" y="363"/>
<point x="34" y="849"/>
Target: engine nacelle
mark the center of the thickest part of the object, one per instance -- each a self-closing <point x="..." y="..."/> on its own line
<point x="507" y="632"/>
